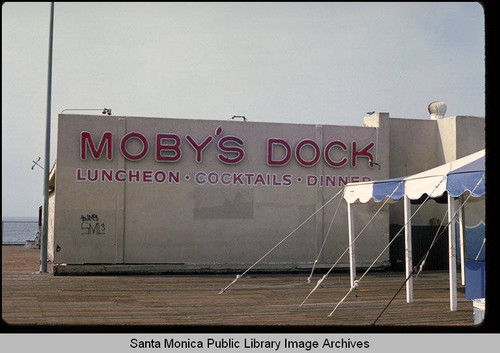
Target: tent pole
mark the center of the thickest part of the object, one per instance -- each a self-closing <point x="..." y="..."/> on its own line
<point x="461" y="222"/>
<point x="352" y="254"/>
<point x="408" y="250"/>
<point x="452" y="258"/>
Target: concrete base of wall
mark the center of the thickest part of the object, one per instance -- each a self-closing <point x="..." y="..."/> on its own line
<point x="186" y="269"/>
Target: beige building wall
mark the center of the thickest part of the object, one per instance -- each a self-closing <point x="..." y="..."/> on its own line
<point x="192" y="220"/>
<point x="204" y="216"/>
<point x="416" y="145"/>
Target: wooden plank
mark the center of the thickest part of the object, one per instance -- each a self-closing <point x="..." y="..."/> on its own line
<point x="258" y="299"/>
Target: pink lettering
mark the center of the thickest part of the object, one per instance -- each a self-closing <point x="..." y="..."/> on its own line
<point x="200" y="178"/>
<point x="317" y="153"/>
<point x="160" y="176"/>
<point x="343" y="180"/>
<point x="238" y="151"/>
<point x="199" y="148"/>
<point x="144" y="149"/>
<point x="331" y="162"/>
<point x="107" y="175"/>
<point x="270" y="152"/>
<point x="363" y="153"/>
<point x="225" y="178"/>
<point x="213" y="178"/>
<point x="147" y="176"/>
<point x="105" y="142"/>
<point x="79" y="176"/>
<point x="134" y="175"/>
<point x="287" y="180"/>
<point x="173" y="151"/>
<point x="259" y="179"/>
<point x="120" y="175"/>
<point x="174" y="177"/>
<point x="275" y="180"/>
<point x="237" y="179"/>
<point x="93" y="177"/>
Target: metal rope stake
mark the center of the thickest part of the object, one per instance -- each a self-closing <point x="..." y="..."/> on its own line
<point x="417" y="269"/>
<point x="347" y="249"/>
<point x="223" y="290"/>
<point x="388" y="245"/>
<point x="356" y="284"/>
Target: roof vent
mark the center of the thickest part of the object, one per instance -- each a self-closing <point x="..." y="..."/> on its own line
<point x="437" y="110"/>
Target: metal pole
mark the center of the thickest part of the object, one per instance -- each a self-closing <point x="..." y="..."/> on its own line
<point x="461" y="223"/>
<point x="44" y="235"/>
<point x="408" y="249"/>
<point x="352" y="247"/>
<point x="452" y="253"/>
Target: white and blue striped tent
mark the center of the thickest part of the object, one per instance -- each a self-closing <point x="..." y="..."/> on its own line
<point x="465" y="176"/>
<point x="461" y="176"/>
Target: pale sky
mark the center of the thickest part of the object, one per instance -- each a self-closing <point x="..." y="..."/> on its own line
<point x="313" y="63"/>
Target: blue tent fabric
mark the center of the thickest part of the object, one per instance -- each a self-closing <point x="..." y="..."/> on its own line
<point x="476" y="279"/>
<point x="474" y="237"/>
<point x="384" y="188"/>
<point x="464" y="174"/>
<point x="466" y="178"/>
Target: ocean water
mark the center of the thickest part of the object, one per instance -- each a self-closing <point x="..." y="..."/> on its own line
<point x="16" y="230"/>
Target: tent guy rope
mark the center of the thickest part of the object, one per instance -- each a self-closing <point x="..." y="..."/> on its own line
<point x="417" y="269"/>
<point x="223" y="290"/>
<point x="481" y="249"/>
<point x="382" y="252"/>
<point x="434" y="241"/>
<point x="324" y="241"/>
<point x="347" y="249"/>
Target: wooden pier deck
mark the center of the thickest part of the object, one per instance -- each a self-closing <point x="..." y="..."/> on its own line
<point x="257" y="300"/>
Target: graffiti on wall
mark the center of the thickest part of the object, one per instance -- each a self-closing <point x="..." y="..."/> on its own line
<point x="92" y="225"/>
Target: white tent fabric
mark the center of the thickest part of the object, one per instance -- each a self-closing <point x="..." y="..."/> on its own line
<point x="451" y="180"/>
<point x="431" y="182"/>
<point x="390" y="190"/>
